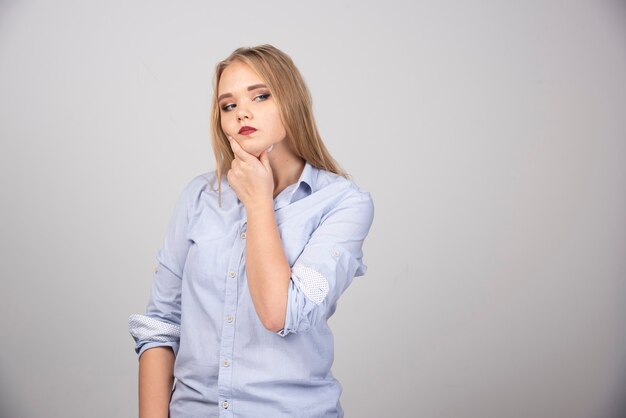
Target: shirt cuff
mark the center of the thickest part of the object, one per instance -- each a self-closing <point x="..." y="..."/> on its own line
<point x="147" y="330"/>
<point x="298" y="315"/>
<point x="174" y="345"/>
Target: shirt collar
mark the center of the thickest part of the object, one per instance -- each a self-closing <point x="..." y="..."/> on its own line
<point x="306" y="183"/>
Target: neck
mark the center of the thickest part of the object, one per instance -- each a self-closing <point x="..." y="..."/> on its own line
<point x="286" y="169"/>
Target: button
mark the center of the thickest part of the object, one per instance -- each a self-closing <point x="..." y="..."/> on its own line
<point x="229" y="318"/>
<point x="336" y="253"/>
<point x="231" y="274"/>
<point x="225" y="404"/>
<point x="243" y="235"/>
<point x="226" y="363"/>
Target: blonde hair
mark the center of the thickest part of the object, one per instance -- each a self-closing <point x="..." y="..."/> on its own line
<point x="295" y="106"/>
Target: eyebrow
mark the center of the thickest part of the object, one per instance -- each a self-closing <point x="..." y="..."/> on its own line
<point x="252" y="87"/>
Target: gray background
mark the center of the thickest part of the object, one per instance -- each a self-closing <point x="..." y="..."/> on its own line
<point x="491" y="135"/>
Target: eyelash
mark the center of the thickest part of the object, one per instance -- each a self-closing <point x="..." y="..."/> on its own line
<point x="265" y="95"/>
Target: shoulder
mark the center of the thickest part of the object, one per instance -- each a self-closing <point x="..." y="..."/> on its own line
<point x="201" y="182"/>
<point x="347" y="192"/>
<point x="348" y="187"/>
<point x="199" y="188"/>
<point x="198" y="184"/>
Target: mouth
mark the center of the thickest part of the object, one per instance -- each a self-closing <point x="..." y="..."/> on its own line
<point x="246" y="130"/>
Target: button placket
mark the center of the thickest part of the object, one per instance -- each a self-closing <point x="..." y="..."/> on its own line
<point x="225" y="378"/>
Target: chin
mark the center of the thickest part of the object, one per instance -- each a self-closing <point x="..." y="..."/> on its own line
<point x="254" y="151"/>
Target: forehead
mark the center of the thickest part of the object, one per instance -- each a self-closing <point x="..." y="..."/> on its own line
<point x="237" y="76"/>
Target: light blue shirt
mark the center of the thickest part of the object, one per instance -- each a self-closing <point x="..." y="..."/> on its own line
<point x="227" y="363"/>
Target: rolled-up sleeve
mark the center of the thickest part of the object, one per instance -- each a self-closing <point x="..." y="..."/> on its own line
<point x="332" y="257"/>
<point x="160" y="325"/>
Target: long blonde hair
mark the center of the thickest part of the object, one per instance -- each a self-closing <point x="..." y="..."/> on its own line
<point x="294" y="102"/>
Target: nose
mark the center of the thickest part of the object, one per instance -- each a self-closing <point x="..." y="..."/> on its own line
<point x="243" y="114"/>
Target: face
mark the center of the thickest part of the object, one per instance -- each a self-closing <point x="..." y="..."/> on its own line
<point x="245" y="101"/>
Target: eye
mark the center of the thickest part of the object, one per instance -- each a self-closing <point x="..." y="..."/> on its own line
<point x="227" y="108"/>
<point x="262" y="97"/>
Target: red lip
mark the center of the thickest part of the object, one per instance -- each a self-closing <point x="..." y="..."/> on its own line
<point x="245" y="130"/>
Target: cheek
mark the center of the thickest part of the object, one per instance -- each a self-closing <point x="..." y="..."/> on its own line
<point x="283" y="131"/>
<point x="224" y="124"/>
<point x="278" y="124"/>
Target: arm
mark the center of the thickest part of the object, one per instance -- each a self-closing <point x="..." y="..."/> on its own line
<point x="156" y="378"/>
<point x="332" y="257"/>
<point x="157" y="332"/>
<point x="267" y="268"/>
<point x="290" y="299"/>
<point x="266" y="265"/>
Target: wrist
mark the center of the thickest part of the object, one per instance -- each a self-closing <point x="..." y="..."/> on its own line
<point x="260" y="206"/>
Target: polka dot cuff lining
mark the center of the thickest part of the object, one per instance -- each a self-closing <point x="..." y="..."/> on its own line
<point x="313" y="284"/>
<point x="145" y="328"/>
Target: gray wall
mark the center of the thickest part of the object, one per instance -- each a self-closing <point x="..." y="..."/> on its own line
<point x="491" y="135"/>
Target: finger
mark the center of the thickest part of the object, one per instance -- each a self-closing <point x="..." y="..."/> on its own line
<point x="233" y="172"/>
<point x="230" y="143"/>
<point x="238" y="151"/>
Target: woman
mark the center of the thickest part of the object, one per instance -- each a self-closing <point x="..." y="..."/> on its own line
<point x="253" y="262"/>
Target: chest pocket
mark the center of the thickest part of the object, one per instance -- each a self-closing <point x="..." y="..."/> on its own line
<point x="211" y="245"/>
